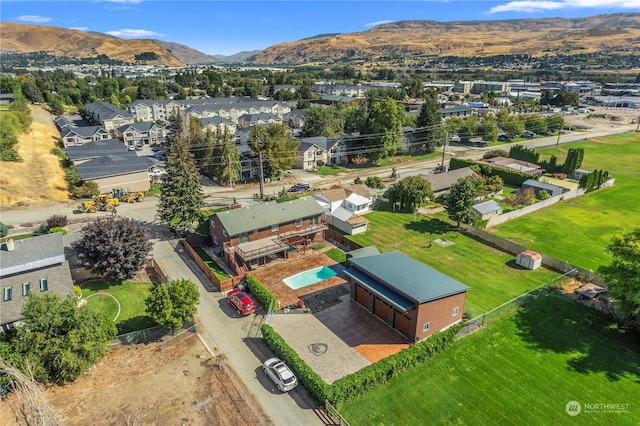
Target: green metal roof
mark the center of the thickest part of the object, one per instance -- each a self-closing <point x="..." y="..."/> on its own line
<point x="260" y="216"/>
<point x="388" y="294"/>
<point x="410" y="278"/>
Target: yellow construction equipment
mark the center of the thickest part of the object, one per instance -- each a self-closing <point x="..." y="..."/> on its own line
<point x="88" y="207"/>
<point x="104" y="202"/>
<point x="127" y="197"/>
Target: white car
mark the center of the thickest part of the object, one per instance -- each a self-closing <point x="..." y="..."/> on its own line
<point x="280" y="374"/>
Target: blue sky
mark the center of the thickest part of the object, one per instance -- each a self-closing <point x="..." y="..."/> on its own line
<point x="227" y="27"/>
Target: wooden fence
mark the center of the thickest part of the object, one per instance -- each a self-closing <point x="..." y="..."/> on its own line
<point x="333" y="236"/>
<point x="223" y="285"/>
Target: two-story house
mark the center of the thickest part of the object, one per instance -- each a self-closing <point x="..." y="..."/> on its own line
<point x="76" y="136"/>
<point x="319" y="151"/>
<point x="32" y="265"/>
<point x="258" y="234"/>
<point x="107" y="115"/>
<point x="345" y="206"/>
<point x="141" y="133"/>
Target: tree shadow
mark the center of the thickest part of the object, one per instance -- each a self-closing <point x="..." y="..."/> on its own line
<point x="136" y="323"/>
<point x="431" y="226"/>
<point x="593" y="340"/>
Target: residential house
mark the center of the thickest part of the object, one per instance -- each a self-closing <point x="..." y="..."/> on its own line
<point x="94" y="149"/>
<point x="63" y="123"/>
<point x="515" y="165"/>
<point x="125" y="170"/>
<point x="319" y="151"/>
<point x="335" y="100"/>
<point x="77" y="136"/>
<point x="31" y="265"/>
<point x="248" y="120"/>
<point x="294" y="118"/>
<point x="107" y="115"/>
<point x="142" y="133"/>
<point x="212" y="123"/>
<point x="345" y="206"/>
<point x="407" y="295"/>
<point x="487" y="209"/>
<point x="257" y="234"/>
<point x="538" y="186"/>
<point x="441" y="183"/>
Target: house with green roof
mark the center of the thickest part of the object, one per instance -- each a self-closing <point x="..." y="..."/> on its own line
<point x="255" y="235"/>
<point x="407" y="295"/>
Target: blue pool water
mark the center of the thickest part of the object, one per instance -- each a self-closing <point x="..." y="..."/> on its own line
<point x="308" y="277"/>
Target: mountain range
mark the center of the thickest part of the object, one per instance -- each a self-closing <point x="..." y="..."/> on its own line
<point x="612" y="33"/>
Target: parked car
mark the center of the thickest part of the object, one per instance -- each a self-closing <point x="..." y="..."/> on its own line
<point x="156" y="172"/>
<point x="505" y="137"/>
<point x="454" y="138"/>
<point x="528" y="134"/>
<point x="280" y="374"/>
<point x="241" y="302"/>
<point x="300" y="187"/>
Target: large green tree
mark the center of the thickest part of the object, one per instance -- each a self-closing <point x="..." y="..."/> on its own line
<point x="114" y="248"/>
<point x="181" y="196"/>
<point x="59" y="339"/>
<point x="277" y="146"/>
<point x="430" y="130"/>
<point x="460" y="200"/>
<point x="173" y="304"/>
<point x="321" y="121"/>
<point x="225" y="159"/>
<point x="488" y="129"/>
<point x="622" y="275"/>
<point x="410" y="192"/>
<point x="383" y="128"/>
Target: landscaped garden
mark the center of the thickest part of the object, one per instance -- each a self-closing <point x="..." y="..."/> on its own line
<point x="123" y="301"/>
<point x="578" y="230"/>
<point x="531" y="364"/>
<point x="212" y="264"/>
<point x="492" y="275"/>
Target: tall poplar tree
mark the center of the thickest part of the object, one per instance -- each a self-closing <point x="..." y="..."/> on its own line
<point x="181" y="196"/>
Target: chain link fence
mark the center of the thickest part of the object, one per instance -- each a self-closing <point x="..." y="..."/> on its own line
<point x="513" y="304"/>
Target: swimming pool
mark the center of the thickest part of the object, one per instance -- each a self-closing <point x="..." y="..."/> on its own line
<point x="308" y="277"/>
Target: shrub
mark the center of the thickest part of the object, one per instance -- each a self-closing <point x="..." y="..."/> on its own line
<point x="309" y="378"/>
<point x="4" y="230"/>
<point x="263" y="295"/>
<point x="495" y="153"/>
<point x="319" y="246"/>
<point x="374" y="182"/>
<point x="358" y="181"/>
<point x="57" y="229"/>
<point x="77" y="290"/>
<point x="543" y="194"/>
<point x="57" y="221"/>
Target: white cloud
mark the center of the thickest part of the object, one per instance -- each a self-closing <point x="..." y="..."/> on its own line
<point x="129" y="33"/>
<point x="375" y="24"/>
<point x="34" y="18"/>
<point x="543" y="5"/>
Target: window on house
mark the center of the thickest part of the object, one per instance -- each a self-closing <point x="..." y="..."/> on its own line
<point x="26" y="288"/>
<point x="298" y="222"/>
<point x="255" y="231"/>
<point x="274" y="228"/>
<point x="215" y="239"/>
<point x="44" y="284"/>
<point x="426" y="326"/>
<point x="454" y="312"/>
<point x="213" y="223"/>
<point x="224" y="233"/>
<point x="7" y="293"/>
<point x="313" y="220"/>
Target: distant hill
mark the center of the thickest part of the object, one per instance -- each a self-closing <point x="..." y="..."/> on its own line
<point x="187" y="54"/>
<point x="614" y="33"/>
<point x="78" y="44"/>
<point x="237" y="57"/>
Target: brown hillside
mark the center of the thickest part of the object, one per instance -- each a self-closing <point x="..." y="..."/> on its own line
<point x="74" y="43"/>
<point x="614" y="33"/>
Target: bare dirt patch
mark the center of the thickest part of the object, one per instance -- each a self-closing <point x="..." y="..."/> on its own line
<point x="39" y="176"/>
<point x="155" y="384"/>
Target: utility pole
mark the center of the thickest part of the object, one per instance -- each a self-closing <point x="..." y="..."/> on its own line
<point x="261" y="173"/>
<point x="444" y="148"/>
<point x="638" y="126"/>
<point x="230" y="178"/>
<point x="560" y="131"/>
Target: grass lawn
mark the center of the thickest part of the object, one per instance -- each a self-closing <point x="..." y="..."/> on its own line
<point x="330" y="170"/>
<point x="578" y="230"/>
<point x="212" y="264"/>
<point x="523" y="369"/>
<point x="493" y="275"/>
<point x="336" y="254"/>
<point x="131" y="296"/>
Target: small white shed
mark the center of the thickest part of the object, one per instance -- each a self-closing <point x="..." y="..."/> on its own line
<point x="529" y="259"/>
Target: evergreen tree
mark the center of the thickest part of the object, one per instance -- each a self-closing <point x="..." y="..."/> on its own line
<point x="181" y="195"/>
<point x="226" y="158"/>
<point x="277" y="146"/>
<point x="430" y="130"/>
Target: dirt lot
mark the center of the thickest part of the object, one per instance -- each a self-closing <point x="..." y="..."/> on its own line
<point x="39" y="176"/>
<point x="155" y="384"/>
<point x="603" y="119"/>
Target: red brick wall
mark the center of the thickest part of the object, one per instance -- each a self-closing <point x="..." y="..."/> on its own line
<point x="437" y="314"/>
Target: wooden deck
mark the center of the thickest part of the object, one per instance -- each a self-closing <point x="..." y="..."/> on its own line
<point x="271" y="276"/>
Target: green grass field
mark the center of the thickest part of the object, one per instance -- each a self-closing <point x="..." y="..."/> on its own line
<point x="523" y="369"/>
<point x="579" y="230"/>
<point x="492" y="275"/>
<point x="131" y="296"/>
<point x="212" y="264"/>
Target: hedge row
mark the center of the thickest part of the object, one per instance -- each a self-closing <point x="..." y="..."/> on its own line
<point x="510" y="178"/>
<point x="309" y="378"/>
<point x="357" y="384"/>
<point x="263" y="295"/>
<point x="374" y="375"/>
